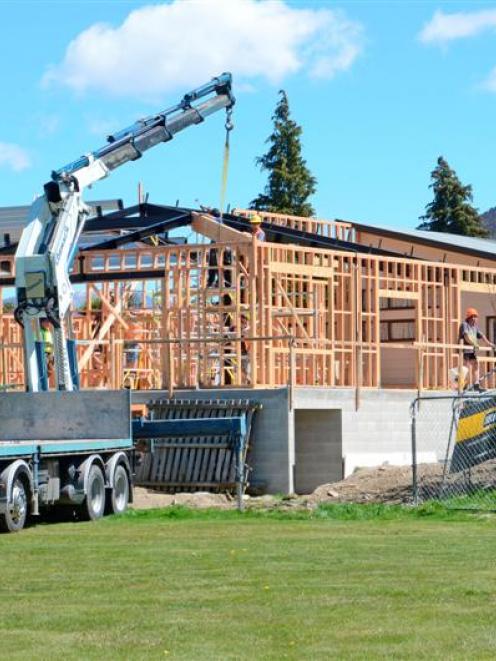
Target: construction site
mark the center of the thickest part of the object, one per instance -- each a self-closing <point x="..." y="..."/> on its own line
<point x="329" y="327"/>
<point x="233" y="350"/>
<point x="247" y="411"/>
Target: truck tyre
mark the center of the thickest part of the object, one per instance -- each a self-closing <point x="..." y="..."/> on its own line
<point x="119" y="495"/>
<point x="14" y="518"/>
<point x="93" y="506"/>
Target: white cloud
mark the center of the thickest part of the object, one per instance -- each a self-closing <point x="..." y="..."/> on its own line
<point x="181" y="43"/>
<point x="443" y="28"/>
<point x="48" y="125"/>
<point x="490" y="83"/>
<point x="14" y="157"/>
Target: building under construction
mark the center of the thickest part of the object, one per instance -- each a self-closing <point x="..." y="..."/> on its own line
<point x="330" y="326"/>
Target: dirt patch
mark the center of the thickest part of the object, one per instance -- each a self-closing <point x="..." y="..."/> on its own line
<point x="384" y="484"/>
<point x="149" y="499"/>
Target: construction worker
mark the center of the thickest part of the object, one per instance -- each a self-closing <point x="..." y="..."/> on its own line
<point x="214" y="272"/>
<point x="256" y="227"/>
<point x="47" y="339"/>
<point x="470" y="334"/>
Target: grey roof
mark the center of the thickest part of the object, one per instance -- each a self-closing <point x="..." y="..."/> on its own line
<point x="14" y="219"/>
<point x="468" y="244"/>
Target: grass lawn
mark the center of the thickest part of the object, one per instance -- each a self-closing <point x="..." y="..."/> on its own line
<point x="348" y="583"/>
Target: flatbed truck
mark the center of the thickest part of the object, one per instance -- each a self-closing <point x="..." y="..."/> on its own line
<point x="73" y="450"/>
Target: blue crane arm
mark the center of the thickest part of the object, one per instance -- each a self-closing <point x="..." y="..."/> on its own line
<point x="129" y="143"/>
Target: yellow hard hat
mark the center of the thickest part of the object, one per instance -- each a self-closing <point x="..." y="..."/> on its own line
<point x="255" y="219"/>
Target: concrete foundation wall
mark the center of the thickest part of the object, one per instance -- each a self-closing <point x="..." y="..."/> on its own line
<point x="322" y="431"/>
<point x="381" y="423"/>
<point x="379" y="431"/>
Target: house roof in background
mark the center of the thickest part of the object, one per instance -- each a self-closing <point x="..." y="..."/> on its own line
<point x="484" y="248"/>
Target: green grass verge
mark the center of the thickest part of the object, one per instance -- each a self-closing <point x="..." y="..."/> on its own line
<point x="344" y="581"/>
<point x="335" y="511"/>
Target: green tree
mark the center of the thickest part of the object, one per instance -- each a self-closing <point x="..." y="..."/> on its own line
<point x="451" y="209"/>
<point x="290" y="182"/>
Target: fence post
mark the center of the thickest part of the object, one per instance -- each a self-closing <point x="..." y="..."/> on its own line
<point x="414" y="453"/>
<point x="239" y="472"/>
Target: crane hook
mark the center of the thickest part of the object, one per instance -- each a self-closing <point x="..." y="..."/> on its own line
<point x="229" y="124"/>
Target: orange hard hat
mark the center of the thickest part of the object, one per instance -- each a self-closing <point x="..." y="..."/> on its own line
<point x="471" y="312"/>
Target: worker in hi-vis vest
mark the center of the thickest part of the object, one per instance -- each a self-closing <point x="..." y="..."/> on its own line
<point x="469" y="334"/>
<point x="47" y="339"/>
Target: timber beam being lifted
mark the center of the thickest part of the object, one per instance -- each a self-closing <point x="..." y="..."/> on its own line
<point x="216" y="231"/>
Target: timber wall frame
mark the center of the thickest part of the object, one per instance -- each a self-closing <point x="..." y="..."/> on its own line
<point x="245" y="313"/>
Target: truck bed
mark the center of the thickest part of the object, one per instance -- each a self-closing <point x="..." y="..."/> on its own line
<point x="54" y="422"/>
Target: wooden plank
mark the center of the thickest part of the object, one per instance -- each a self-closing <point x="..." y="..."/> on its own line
<point x="216" y="231"/>
<point x="395" y="293"/>
<point x="301" y="269"/>
<point x="477" y="287"/>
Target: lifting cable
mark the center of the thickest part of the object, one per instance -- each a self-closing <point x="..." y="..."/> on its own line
<point x="225" y="166"/>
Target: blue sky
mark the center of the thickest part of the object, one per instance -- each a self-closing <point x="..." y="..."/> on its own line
<point x="381" y="89"/>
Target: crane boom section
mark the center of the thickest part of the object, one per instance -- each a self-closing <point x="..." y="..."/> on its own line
<point x="130" y="143"/>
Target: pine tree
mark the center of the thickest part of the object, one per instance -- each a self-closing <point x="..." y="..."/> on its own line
<point x="290" y="182"/>
<point x="451" y="209"/>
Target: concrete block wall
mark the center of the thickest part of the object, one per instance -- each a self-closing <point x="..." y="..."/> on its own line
<point x="379" y="431"/>
<point x="322" y="436"/>
<point x="381" y="423"/>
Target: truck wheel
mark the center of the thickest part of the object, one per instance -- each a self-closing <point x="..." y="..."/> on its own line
<point x="93" y="506"/>
<point x="119" y="496"/>
<point x="14" y="518"/>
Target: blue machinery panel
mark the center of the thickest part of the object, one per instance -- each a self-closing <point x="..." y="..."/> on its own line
<point x="195" y="445"/>
<point x="148" y="429"/>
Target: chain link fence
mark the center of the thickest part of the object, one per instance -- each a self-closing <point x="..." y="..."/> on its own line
<point x="454" y="450"/>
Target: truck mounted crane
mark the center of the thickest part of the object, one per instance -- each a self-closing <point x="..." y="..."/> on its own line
<point x="65" y="446"/>
<point x="48" y="243"/>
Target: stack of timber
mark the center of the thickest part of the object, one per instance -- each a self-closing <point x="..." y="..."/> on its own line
<point x="197" y="460"/>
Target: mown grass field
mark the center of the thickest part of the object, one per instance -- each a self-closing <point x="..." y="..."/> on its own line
<point x="345" y="582"/>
